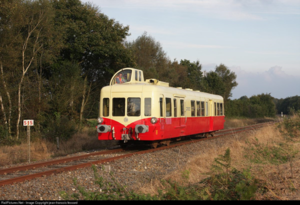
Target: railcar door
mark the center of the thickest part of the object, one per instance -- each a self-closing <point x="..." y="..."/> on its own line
<point x="211" y="115"/>
<point x="169" y="129"/>
<point x="162" y="115"/>
<point x="183" y="117"/>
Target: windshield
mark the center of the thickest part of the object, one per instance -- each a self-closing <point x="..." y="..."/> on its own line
<point x="122" y="77"/>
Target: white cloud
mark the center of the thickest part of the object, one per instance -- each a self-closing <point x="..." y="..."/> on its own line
<point x="229" y="9"/>
<point x="150" y="30"/>
<point x="180" y="45"/>
<point x="274" y="81"/>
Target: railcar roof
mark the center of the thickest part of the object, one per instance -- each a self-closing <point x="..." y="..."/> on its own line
<point x="143" y="86"/>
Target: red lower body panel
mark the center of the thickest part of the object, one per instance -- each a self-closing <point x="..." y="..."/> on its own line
<point x="165" y="128"/>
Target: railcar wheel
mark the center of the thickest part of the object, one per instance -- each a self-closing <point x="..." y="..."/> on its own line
<point x="123" y="145"/>
<point x="167" y="143"/>
<point x="154" y="145"/>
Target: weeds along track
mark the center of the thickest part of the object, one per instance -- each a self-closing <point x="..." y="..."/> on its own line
<point x="30" y="171"/>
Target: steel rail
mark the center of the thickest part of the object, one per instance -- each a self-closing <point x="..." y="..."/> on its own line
<point x="88" y="164"/>
<point x="56" y="161"/>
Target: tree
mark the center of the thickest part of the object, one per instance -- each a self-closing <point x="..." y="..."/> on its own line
<point x="8" y="56"/>
<point x="95" y="43"/>
<point x="25" y="33"/>
<point x="150" y="57"/>
<point x="194" y="74"/>
<point x="228" y="79"/>
<point x="213" y="83"/>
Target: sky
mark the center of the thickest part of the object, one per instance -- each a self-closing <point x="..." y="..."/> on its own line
<point x="259" y="40"/>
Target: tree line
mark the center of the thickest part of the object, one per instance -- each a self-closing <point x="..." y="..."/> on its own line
<point x="56" y="55"/>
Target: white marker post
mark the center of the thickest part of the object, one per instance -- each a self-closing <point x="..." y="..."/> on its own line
<point x="28" y="123"/>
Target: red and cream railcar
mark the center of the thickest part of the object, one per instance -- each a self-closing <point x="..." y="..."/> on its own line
<point x="133" y="109"/>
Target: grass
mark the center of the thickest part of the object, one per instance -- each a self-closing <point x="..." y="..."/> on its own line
<point x="41" y="149"/>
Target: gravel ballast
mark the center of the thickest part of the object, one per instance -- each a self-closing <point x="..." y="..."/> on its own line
<point x="131" y="171"/>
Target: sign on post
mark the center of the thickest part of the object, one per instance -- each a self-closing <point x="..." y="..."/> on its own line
<point x="28" y="123"/>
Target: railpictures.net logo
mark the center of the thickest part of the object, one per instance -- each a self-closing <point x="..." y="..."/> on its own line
<point x="38" y="202"/>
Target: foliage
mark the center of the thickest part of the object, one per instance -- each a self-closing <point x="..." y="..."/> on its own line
<point x="291" y="125"/>
<point x="150" y="57"/>
<point x="5" y="140"/>
<point x="194" y="74"/>
<point x="260" y="153"/>
<point x="289" y="105"/>
<point x="213" y="83"/>
<point x="92" y="123"/>
<point x="254" y="107"/>
<point x="227" y="183"/>
<point x="229" y="80"/>
<point x="64" y="42"/>
<point x="59" y="126"/>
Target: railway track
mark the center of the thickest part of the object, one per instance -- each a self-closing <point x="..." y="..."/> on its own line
<point x="30" y="171"/>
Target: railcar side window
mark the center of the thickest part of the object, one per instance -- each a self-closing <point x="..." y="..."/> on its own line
<point x="118" y="106"/>
<point x="136" y="75"/>
<point x="221" y="108"/>
<point x="218" y="109"/>
<point x="206" y="108"/>
<point x="182" y="107"/>
<point x="215" y="109"/>
<point x="193" y="108"/>
<point x="168" y="107"/>
<point x="140" y="76"/>
<point x="133" y="106"/>
<point x="161" y="106"/>
<point x="202" y="108"/>
<point x="105" y="107"/>
<point x="175" y="108"/>
<point x="147" y="106"/>
<point x="198" y="108"/>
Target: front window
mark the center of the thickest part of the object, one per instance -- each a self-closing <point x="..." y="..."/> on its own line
<point x="105" y="107"/>
<point x="122" y="77"/>
<point x="118" y="106"/>
<point x="133" y="106"/>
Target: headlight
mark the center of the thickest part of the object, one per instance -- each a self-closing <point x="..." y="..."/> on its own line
<point x="100" y="120"/>
<point x="153" y="120"/>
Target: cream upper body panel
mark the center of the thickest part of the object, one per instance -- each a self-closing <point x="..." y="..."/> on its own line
<point x="131" y="86"/>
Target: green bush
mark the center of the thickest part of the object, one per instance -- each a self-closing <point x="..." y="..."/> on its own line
<point x="61" y="127"/>
<point x="292" y="125"/>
